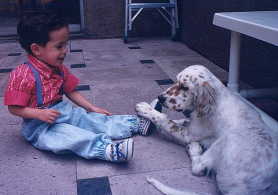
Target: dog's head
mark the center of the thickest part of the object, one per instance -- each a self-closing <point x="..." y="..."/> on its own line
<point x="191" y="92"/>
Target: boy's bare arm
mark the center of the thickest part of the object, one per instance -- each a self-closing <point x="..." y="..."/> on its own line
<point x="78" y="99"/>
<point x="46" y="115"/>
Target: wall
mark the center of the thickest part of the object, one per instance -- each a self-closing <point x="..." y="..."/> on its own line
<point x="7" y="7"/>
<point x="259" y="59"/>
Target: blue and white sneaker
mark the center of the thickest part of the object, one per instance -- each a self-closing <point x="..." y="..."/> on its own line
<point x="145" y="125"/>
<point x="120" y="151"/>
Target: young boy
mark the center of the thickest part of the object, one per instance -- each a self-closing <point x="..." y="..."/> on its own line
<point x="35" y="90"/>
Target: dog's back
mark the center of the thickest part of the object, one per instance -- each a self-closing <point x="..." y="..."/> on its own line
<point x="252" y="169"/>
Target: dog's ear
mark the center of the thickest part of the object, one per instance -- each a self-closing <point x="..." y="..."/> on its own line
<point x="204" y="99"/>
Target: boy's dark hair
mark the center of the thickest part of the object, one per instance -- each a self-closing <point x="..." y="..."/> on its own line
<point x="35" y="28"/>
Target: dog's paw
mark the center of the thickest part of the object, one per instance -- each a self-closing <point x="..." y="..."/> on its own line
<point x="143" y="109"/>
<point x="194" y="149"/>
<point x="198" y="167"/>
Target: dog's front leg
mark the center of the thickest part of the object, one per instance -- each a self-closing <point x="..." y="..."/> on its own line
<point x="172" y="128"/>
<point x="145" y="110"/>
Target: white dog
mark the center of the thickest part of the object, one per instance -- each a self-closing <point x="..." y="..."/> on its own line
<point x="240" y="148"/>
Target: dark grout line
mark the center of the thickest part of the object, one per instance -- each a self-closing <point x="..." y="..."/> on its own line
<point x="165" y="82"/>
<point x="5" y="70"/>
<point x="134" y="47"/>
<point x="14" y="54"/>
<point x="83" y="88"/>
<point x="76" y="50"/>
<point x="78" y="65"/>
<point x="147" y="61"/>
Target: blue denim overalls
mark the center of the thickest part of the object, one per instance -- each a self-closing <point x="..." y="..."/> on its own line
<point x="76" y="130"/>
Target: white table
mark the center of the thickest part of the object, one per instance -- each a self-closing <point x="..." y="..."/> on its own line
<point x="262" y="25"/>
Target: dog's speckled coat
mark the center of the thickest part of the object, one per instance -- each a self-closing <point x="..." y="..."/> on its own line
<point x="239" y="147"/>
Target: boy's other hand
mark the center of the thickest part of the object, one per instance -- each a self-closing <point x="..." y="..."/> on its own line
<point x="48" y="115"/>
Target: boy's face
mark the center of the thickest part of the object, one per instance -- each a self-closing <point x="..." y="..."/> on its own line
<point x="54" y="52"/>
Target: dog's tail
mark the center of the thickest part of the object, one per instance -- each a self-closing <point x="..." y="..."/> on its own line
<point x="166" y="189"/>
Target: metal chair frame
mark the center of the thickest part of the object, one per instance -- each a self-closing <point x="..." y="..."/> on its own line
<point x="168" y="11"/>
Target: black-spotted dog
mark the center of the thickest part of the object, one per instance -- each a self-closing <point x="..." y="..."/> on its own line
<point x="238" y="146"/>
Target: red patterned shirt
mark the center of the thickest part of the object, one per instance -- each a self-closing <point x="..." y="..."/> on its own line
<point x="21" y="88"/>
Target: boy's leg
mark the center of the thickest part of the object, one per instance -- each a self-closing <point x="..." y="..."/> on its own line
<point x="115" y="126"/>
<point x="62" y="138"/>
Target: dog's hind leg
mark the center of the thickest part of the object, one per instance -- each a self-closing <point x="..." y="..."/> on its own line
<point x="195" y="151"/>
<point x="204" y="162"/>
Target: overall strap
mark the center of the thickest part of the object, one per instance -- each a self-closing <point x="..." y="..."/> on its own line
<point x="61" y="92"/>
<point x="38" y="84"/>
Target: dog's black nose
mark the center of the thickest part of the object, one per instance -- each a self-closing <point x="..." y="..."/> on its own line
<point x="161" y="99"/>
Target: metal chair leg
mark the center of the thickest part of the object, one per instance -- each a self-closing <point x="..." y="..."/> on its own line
<point x="125" y="38"/>
<point x="173" y="24"/>
<point x="170" y="15"/>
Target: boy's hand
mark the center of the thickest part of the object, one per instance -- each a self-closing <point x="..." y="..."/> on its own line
<point x="48" y="115"/>
<point x="102" y="111"/>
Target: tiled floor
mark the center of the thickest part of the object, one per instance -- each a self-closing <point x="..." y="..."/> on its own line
<point x="115" y="76"/>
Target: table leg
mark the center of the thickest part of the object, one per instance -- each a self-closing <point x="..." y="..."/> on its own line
<point x="126" y="20"/>
<point x="82" y="15"/>
<point x="233" y="82"/>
